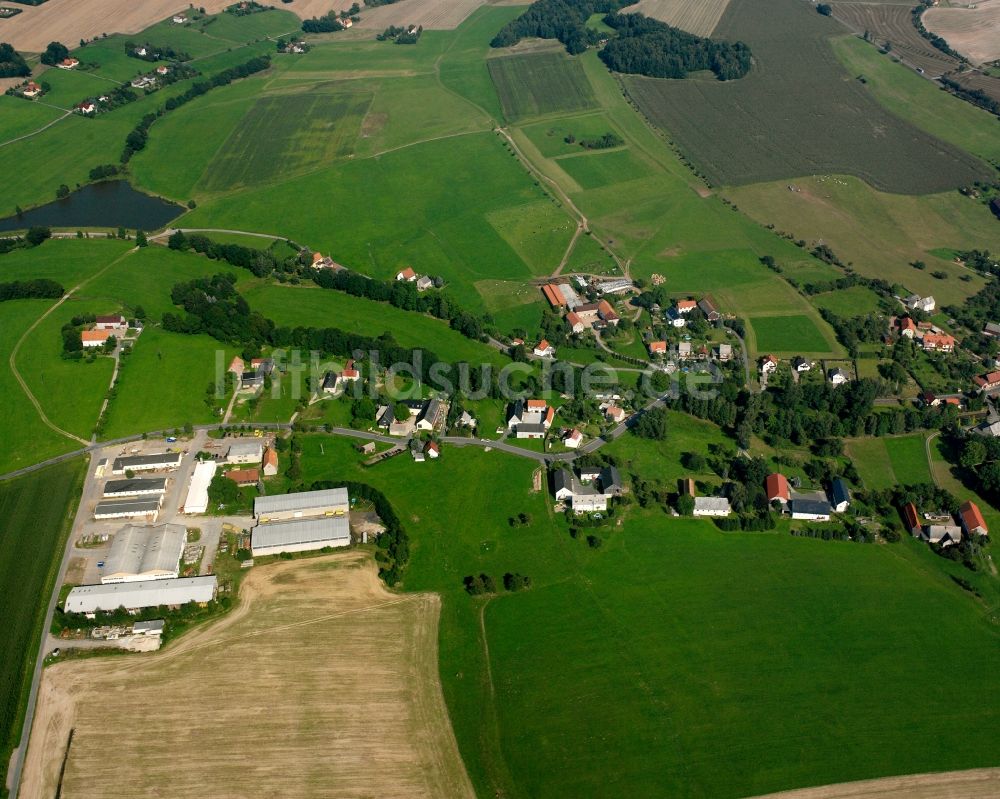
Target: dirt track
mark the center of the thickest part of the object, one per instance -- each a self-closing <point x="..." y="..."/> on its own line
<point x="320" y="683"/>
<point x="973" y="784"/>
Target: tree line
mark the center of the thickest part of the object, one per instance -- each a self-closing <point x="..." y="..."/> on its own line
<point x="12" y="63"/>
<point x="565" y="20"/>
<point x="41" y="288"/>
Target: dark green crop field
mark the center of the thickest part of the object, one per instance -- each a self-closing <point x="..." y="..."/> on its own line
<point x="798" y="113"/>
<point x="540" y="83"/>
<point x="35" y="515"/>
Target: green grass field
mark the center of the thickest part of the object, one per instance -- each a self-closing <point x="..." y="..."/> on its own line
<point x="890" y="461"/>
<point x="36" y="513"/>
<point x="537" y="84"/>
<point x="550" y="137"/>
<point x="799" y="113"/>
<point x="287" y="133"/>
<point x="411" y="216"/>
<point x="293" y="306"/>
<point x="849" y="302"/>
<point x="20" y="117"/>
<point x="794" y="333"/>
<point x="620" y="671"/>
<point x="594" y="170"/>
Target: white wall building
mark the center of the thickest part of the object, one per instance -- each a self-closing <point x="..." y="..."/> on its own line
<point x="302" y="505"/>
<point x="201" y="478"/>
<point x="147" y="509"/>
<point x="145" y="594"/>
<point x="300" y="535"/>
<point x="145" y="553"/>
<point x="711" y="506"/>
<point x="245" y="452"/>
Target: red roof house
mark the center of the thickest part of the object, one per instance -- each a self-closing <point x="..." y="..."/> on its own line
<point x="972" y="519"/>
<point x="911" y="518"/>
<point x="776" y="486"/>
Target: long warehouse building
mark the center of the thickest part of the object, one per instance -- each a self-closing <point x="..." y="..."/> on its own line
<point x="146" y="463"/>
<point x="129" y="509"/>
<point x="300" y="535"/>
<point x="304" y="504"/>
<point x="145" y="553"/>
<point x="201" y="479"/>
<point x="136" y="487"/>
<point x="144" y="594"/>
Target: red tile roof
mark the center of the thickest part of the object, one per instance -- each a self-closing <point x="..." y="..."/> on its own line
<point x="243" y="476"/>
<point x="911" y="517"/>
<point x="987" y="379"/>
<point x="553" y="295"/>
<point x="95" y="335"/>
<point x="686" y="305"/>
<point x="549" y="415"/>
<point x="270" y="457"/>
<point x="406" y="274"/>
<point x="573" y="319"/>
<point x="536" y="404"/>
<point x="972" y="519"/>
<point x="658" y="346"/>
<point x="777" y="487"/>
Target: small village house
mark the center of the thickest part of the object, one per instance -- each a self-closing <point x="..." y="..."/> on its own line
<point x="407" y="274"/>
<point x="657" y="348"/>
<point x="574" y="322"/>
<point x="94" y="338"/>
<point x="270" y="462"/>
<point x="544" y="350"/>
<point x="776" y="488"/>
<point x="711" y="506"/>
<point x="573" y="439"/>
<point x="768" y="364"/>
<point x="972" y="519"/>
<point x="837" y="377"/>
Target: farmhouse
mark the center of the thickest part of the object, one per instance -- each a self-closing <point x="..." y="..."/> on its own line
<point x="270" y="463"/>
<point x="911" y="518"/>
<point x="675" y="317"/>
<point x="724" y="352"/>
<point x="197" y="495"/>
<point x="940" y="342"/>
<point x="145" y="594"/>
<point x="146" y="463"/>
<point x="972" y="519"/>
<point x="684" y="350"/>
<point x="917" y="303"/>
<point x="711" y="506"/>
<point x="810" y="509"/>
<point x="244" y="477"/>
<point x="94" y="338"/>
<point x="573" y="439"/>
<point x="86" y="107"/>
<point x="162" y="70"/>
<point x="335" y="382"/>
<point x="407" y="275"/>
<point x="840" y="496"/>
<point x="299" y="535"/>
<point x="906" y="326"/>
<point x="561" y="294"/>
<point x="657" y="348"/>
<point x="768" y="364"/>
<point x="776" y="487"/>
<point x="544" y="350"/>
<point x="145" y="553"/>
<point x="607" y="313"/>
<point x="31" y="90"/>
<point x="708" y="308"/>
<point x="944" y="535"/>
<point x="143" y="82"/>
<point x="179" y="19"/>
<point x="320" y="262"/>
<point x="615" y="413"/>
<point x="987" y="382"/>
<point x="68" y="63"/>
<point x="129" y="509"/>
<point x="586" y="496"/>
<point x="467" y="420"/>
<point x="115" y="322"/>
<point x="327" y="502"/>
<point x="575" y="323"/>
<point x="800" y="364"/>
<point x="837" y="377"/>
<point x="136" y="487"/>
<point x="251" y="451"/>
<point x="685" y="306"/>
<point x="530" y="418"/>
<point x="430" y="414"/>
<point x="432" y="450"/>
<point x="424" y="283"/>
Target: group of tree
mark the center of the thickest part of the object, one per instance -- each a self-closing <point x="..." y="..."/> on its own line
<point x="136" y="140"/>
<point x="917" y="15"/>
<point x="259" y="262"/>
<point x="330" y="22"/>
<point x="646" y="46"/>
<point x="401" y="35"/>
<point x="565" y="20"/>
<point x="12" y="63"/>
<point x="972" y="95"/>
<point x="42" y="288"/>
<point x="607" y="141"/>
<point x="651" y="424"/>
<point x="54" y="54"/>
<point x="482" y="584"/>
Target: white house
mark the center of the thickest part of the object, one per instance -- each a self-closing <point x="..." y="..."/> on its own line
<point x="810" y="510"/>
<point x="407" y="274"/>
<point x="917" y="303"/>
<point x="544" y="350"/>
<point x="768" y="364"/>
<point x="711" y="506"/>
<point x="837" y="377"/>
<point x="573" y="439"/>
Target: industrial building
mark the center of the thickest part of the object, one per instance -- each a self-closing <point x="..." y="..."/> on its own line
<point x="251" y="451"/>
<point x="300" y="535"/>
<point x="146" y="463"/>
<point x="197" y="496"/>
<point x="129" y="509"/>
<point x="305" y="504"/>
<point x="145" y="594"/>
<point x="145" y="553"/>
<point x="136" y="487"/>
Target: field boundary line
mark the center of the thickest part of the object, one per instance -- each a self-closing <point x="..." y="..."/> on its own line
<point x="41" y="129"/>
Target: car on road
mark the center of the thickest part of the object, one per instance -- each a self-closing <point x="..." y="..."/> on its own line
<point x="100" y="564"/>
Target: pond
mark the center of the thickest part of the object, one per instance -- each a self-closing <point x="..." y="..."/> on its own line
<point x="109" y="204"/>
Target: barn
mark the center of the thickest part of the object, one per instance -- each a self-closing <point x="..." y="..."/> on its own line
<point x="145" y="553"/>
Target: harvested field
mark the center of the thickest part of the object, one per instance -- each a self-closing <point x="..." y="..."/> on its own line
<point x="70" y="20"/>
<point x="981" y="783"/>
<point x="797" y="113"/>
<point x="974" y="32"/>
<point x="431" y="14"/>
<point x="893" y="23"/>
<point x="984" y="83"/>
<point x="695" y="16"/>
<point x="321" y="683"/>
